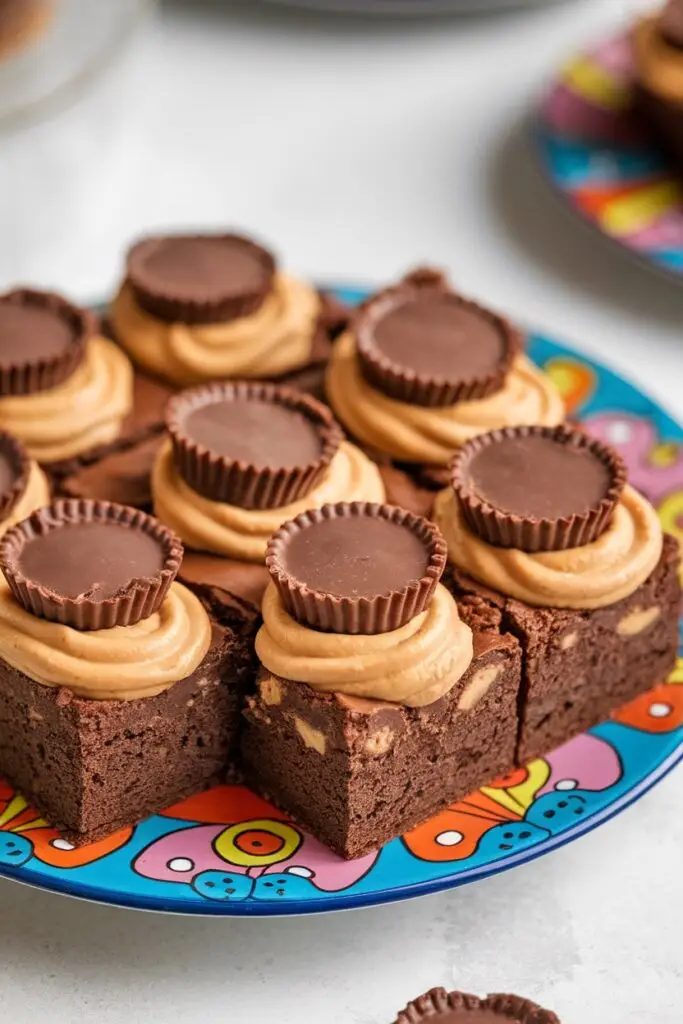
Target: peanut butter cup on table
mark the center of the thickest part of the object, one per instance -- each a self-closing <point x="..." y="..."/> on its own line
<point x="422" y="369"/>
<point x="658" y="95"/>
<point x="65" y="391"/>
<point x="120" y="689"/>
<point x="240" y="459"/>
<point x="544" y="531"/>
<point x="442" y="1007"/>
<point x="378" y="702"/>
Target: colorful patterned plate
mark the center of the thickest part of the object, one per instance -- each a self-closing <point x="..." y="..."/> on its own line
<point x="598" y="155"/>
<point x="227" y="852"/>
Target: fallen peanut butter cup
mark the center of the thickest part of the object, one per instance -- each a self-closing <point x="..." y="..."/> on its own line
<point x="254" y="445"/>
<point x="90" y="564"/>
<point x="199" y="279"/>
<point x="422" y="343"/>
<point x="42" y="340"/>
<point x="537" y="488"/>
<point x="356" y="567"/>
<point x="14" y="472"/>
<point x="444" y="1007"/>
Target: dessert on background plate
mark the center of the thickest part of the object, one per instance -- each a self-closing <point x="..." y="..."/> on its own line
<point x="658" y="51"/>
<point x="544" y="533"/>
<point x="378" y="704"/>
<point x="65" y="390"/>
<point x="120" y="689"/>
<point x="421" y="370"/>
<point x="239" y="460"/>
<point x="21" y="22"/>
<point x="444" y="1007"/>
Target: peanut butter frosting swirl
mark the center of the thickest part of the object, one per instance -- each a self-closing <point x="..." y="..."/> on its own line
<point x="36" y="495"/>
<point x="122" y="663"/>
<point x="86" y="410"/>
<point x="659" y="64"/>
<point x="413" y="665"/>
<point x="243" y="533"/>
<point x="413" y="433"/>
<point x="272" y="341"/>
<point x="593" y="576"/>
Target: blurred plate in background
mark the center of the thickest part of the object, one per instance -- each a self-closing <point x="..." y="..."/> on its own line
<point x="408" y="6"/>
<point x="52" y="47"/>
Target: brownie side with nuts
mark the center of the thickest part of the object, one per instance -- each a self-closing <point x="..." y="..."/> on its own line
<point x="356" y="772"/>
<point x="578" y="666"/>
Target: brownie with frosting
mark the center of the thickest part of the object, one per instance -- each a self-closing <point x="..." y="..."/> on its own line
<point x="66" y="391"/>
<point x="238" y="461"/>
<point x="421" y="370"/>
<point x="379" y="702"/>
<point x="120" y="689"/>
<point x="658" y="95"/>
<point x="544" y="531"/>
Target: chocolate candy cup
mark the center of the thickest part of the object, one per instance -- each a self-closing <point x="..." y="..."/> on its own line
<point x="199" y="279"/>
<point x="356" y="567"/>
<point x="126" y="564"/>
<point x="496" y="478"/>
<point x="393" y="332"/>
<point x="15" y="466"/>
<point x="443" y="1007"/>
<point x="42" y="340"/>
<point x="298" y="438"/>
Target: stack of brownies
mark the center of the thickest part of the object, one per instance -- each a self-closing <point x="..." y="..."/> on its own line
<point x="368" y="609"/>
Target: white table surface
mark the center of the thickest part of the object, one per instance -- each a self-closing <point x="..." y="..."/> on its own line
<point x="358" y="148"/>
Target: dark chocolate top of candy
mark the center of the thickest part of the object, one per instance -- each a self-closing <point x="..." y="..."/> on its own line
<point x="538" y="488"/>
<point x="356" y="568"/>
<point x="356" y="557"/>
<point x="424" y="344"/>
<point x="91" y="565"/>
<point x="535" y="477"/>
<point x="42" y="340"/>
<point x="255" y="431"/>
<point x="14" y="472"/>
<point x="253" y="445"/>
<point x="200" y="279"/>
<point x="441" y="1007"/>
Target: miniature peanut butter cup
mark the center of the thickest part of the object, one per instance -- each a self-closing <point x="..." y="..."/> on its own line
<point x="422" y="343"/>
<point x="199" y="279"/>
<point x="356" y="567"/>
<point x="537" y="488"/>
<point x="254" y="445"/>
<point x="90" y="564"/>
<point x="443" y="1007"/>
<point x="42" y="340"/>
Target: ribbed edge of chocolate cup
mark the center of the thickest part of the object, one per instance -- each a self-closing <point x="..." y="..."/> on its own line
<point x="408" y="385"/>
<point x="173" y="308"/>
<point x="43" y="374"/>
<point x="140" y="599"/>
<point x="17" y="456"/>
<point x="506" y="530"/>
<point x="356" y="615"/>
<point x="439" y="1003"/>
<point x="234" y="481"/>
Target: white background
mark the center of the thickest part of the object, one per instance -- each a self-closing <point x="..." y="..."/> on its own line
<point x="357" y="148"/>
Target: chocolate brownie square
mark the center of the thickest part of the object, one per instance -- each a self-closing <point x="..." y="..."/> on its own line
<point x="92" y="766"/>
<point x="357" y="772"/>
<point x="580" y="665"/>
